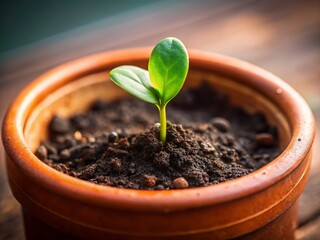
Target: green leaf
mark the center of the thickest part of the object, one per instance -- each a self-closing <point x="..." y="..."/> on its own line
<point x="135" y="81"/>
<point x="168" y="68"/>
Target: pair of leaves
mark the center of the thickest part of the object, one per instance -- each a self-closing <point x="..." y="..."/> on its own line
<point x="168" y="68"/>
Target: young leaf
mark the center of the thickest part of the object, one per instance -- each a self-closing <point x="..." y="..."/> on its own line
<point x="135" y="81"/>
<point x="168" y="68"/>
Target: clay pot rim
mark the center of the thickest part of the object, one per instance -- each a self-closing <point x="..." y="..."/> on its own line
<point x="289" y="101"/>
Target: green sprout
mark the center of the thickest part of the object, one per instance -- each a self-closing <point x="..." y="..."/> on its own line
<point x="168" y="67"/>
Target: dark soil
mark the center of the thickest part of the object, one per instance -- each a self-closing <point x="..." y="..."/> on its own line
<point x="117" y="144"/>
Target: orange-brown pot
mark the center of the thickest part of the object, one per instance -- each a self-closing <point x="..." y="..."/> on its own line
<point x="261" y="205"/>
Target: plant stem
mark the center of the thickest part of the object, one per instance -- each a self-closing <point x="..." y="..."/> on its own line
<point x="163" y="123"/>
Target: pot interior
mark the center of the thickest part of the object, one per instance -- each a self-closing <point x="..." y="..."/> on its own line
<point x="77" y="95"/>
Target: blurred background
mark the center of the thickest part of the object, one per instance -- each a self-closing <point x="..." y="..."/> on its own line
<point x="280" y="36"/>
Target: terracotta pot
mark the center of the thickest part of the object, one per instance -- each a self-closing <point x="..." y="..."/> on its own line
<point x="261" y="205"/>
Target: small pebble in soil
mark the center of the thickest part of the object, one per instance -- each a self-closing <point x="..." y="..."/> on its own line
<point x="42" y="152"/>
<point x="77" y="136"/>
<point x="159" y="187"/>
<point x="69" y="142"/>
<point x="149" y="180"/>
<point x="221" y="124"/>
<point x="50" y="148"/>
<point x="264" y="139"/>
<point x="203" y="127"/>
<point x="207" y="147"/>
<point x="90" y="138"/>
<point x="113" y="136"/>
<point x="59" y="125"/>
<point x="180" y="183"/>
<point x="65" y="154"/>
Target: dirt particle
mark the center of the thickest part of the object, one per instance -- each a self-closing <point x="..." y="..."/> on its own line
<point x="149" y="180"/>
<point x="113" y="136"/>
<point x="124" y="142"/>
<point x="180" y="183"/>
<point x="221" y="124"/>
<point x="59" y="125"/>
<point x="90" y="138"/>
<point x="50" y="148"/>
<point x="65" y="154"/>
<point x="54" y="158"/>
<point x="115" y="164"/>
<point x="58" y="138"/>
<point x="69" y="142"/>
<point x="61" y="168"/>
<point x="264" y="139"/>
<point x="80" y="150"/>
<point x="77" y="135"/>
<point x="80" y="121"/>
<point x="207" y="147"/>
<point x="73" y="174"/>
<point x="159" y="187"/>
<point x="161" y="160"/>
<point x="203" y="127"/>
<point x="41" y="152"/>
<point x="218" y="163"/>
<point x="88" y="172"/>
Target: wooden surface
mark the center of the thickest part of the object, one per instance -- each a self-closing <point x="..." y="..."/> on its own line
<point x="280" y="36"/>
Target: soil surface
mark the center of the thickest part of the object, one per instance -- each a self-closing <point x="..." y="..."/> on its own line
<point x="117" y="143"/>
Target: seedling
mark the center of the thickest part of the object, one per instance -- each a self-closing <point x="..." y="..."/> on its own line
<point x="168" y="67"/>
